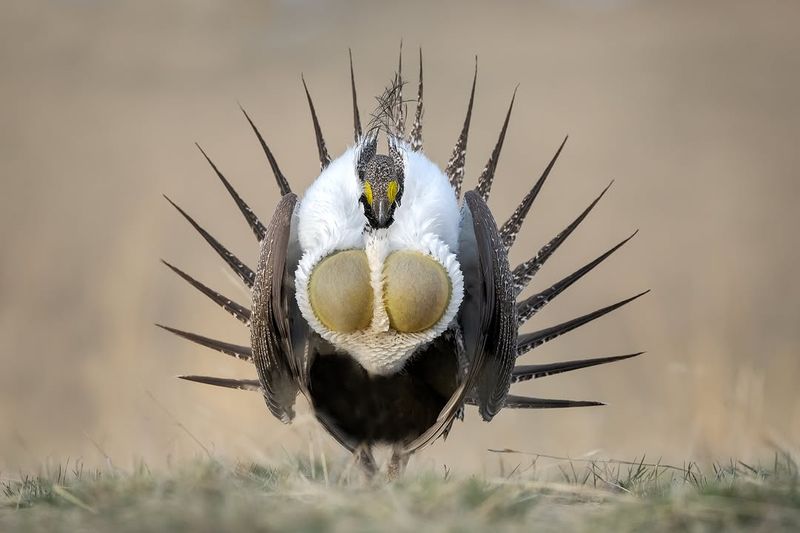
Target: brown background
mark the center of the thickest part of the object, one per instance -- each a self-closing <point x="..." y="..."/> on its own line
<point x="691" y="106"/>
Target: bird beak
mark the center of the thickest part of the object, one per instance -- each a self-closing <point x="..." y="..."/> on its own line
<point x="382" y="210"/>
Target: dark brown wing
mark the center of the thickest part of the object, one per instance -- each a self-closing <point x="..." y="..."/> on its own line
<point x="488" y="316"/>
<point x="487" y="319"/>
<point x="277" y="337"/>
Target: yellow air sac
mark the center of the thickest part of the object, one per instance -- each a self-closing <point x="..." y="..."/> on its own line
<point x="340" y="292"/>
<point x="416" y="291"/>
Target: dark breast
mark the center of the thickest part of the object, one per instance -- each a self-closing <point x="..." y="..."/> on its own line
<point x="384" y="409"/>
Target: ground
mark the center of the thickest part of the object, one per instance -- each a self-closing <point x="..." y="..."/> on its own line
<point x="538" y="493"/>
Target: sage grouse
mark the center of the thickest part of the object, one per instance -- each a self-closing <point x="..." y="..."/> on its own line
<point x="385" y="302"/>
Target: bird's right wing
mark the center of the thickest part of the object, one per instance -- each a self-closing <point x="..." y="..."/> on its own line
<point x="278" y="333"/>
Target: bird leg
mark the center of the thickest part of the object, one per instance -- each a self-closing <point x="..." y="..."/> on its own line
<point x="365" y="459"/>
<point x="397" y="464"/>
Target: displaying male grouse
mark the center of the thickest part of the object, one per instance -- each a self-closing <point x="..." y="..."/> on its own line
<point x="385" y="303"/>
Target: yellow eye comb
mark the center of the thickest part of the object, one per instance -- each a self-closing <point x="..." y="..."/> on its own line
<point x="392" y="191"/>
<point x="368" y="192"/>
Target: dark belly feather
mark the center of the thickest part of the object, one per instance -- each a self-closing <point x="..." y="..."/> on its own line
<point x="384" y="409"/>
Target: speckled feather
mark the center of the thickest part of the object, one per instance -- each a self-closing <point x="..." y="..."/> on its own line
<point x="238" y="311"/>
<point x="280" y="179"/>
<point x="487" y="176"/>
<point x="243" y="271"/>
<point x="416" y="130"/>
<point x="528" y="372"/>
<point x="529" y="341"/>
<point x="524" y="272"/>
<point x="269" y="330"/>
<point x="531" y="305"/>
<point x="251" y="218"/>
<point x="324" y="158"/>
<point x="455" y="166"/>
<point x="234" y="350"/>
<point x="510" y="229"/>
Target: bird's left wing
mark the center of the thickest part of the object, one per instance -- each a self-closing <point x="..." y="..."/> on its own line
<point x="488" y="314"/>
<point x="278" y="334"/>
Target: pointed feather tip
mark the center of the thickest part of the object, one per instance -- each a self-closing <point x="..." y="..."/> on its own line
<point x="180" y="210"/>
<point x="210" y="162"/>
<point x="197" y="144"/>
<point x="171" y="267"/>
<point x="246" y="115"/>
<point x="166" y="328"/>
<point x="632" y="298"/>
<point x="167" y="198"/>
<point x="400" y="59"/>
<point x="629" y="300"/>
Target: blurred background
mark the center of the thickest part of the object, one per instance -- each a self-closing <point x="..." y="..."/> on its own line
<point x="692" y="107"/>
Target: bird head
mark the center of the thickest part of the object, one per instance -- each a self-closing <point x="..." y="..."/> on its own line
<point x="381" y="178"/>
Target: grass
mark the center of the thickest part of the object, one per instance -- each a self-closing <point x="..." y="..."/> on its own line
<point x="540" y="493"/>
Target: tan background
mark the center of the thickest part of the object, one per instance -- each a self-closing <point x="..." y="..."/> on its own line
<point x="691" y="106"/>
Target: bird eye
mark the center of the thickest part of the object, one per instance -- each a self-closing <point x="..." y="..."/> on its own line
<point x="392" y="191"/>
<point x="368" y="192"/>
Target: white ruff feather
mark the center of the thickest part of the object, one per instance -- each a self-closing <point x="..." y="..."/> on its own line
<point x="330" y="218"/>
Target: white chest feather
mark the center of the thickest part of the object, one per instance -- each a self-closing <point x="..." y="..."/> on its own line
<point x="330" y="219"/>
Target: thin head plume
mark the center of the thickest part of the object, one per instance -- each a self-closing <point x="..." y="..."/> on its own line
<point x="510" y="229"/>
<point x="283" y="183"/>
<point x="416" y="129"/>
<point x="487" y="176"/>
<point x="531" y="305"/>
<point x="384" y="117"/>
<point x="455" y="167"/>
<point x="324" y="158"/>
<point x="524" y="272"/>
<point x="356" y="115"/>
<point x="252" y="220"/>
